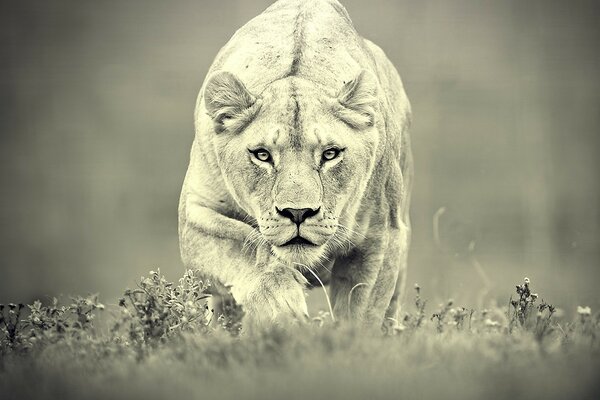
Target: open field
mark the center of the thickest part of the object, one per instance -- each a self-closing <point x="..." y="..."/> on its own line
<point x="95" y="132"/>
<point x="160" y="345"/>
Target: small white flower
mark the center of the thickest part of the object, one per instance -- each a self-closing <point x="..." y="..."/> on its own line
<point x="526" y="280"/>
<point x="490" y="323"/>
<point x="584" y="310"/>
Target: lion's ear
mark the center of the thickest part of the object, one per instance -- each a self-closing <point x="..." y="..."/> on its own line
<point x="357" y="100"/>
<point x="230" y="105"/>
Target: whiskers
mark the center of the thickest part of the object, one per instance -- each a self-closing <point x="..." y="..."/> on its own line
<point x="339" y="244"/>
<point x="253" y="241"/>
<point x="342" y="241"/>
<point x="350" y="232"/>
<point x="318" y="264"/>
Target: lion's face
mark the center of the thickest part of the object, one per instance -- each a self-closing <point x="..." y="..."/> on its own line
<point x="297" y="160"/>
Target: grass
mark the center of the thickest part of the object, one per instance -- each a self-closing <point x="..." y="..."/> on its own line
<point x="163" y="342"/>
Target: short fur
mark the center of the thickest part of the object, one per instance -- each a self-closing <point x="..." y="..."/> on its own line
<point x="298" y="80"/>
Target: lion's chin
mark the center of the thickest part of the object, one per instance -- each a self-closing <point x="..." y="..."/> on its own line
<point x="299" y="254"/>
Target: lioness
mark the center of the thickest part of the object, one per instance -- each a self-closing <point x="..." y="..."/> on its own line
<point x="301" y="166"/>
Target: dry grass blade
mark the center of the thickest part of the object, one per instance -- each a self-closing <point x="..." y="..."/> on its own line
<point x="323" y="287"/>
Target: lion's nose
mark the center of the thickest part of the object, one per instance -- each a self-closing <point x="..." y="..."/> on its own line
<point x="298" y="215"/>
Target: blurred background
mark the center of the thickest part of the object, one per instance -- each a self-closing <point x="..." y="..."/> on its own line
<point x="96" y="104"/>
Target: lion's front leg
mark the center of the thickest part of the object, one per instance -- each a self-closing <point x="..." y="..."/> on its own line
<point x="217" y="245"/>
<point x="274" y="293"/>
<point x="365" y="284"/>
<point x="276" y="296"/>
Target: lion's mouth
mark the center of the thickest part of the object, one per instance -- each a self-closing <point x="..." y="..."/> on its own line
<point x="298" y="240"/>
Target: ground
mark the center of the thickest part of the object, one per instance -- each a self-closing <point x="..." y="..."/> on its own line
<point x="161" y="343"/>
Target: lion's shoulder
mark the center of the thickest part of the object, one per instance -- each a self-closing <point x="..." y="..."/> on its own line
<point x="391" y="83"/>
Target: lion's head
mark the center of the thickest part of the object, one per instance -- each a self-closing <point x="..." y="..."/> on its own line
<point x="296" y="157"/>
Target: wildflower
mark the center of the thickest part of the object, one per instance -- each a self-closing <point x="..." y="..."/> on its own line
<point x="584" y="310"/>
<point x="526" y="281"/>
<point x="534" y="296"/>
<point x="491" y="323"/>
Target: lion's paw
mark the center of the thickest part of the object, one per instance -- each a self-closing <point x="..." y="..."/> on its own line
<point x="276" y="296"/>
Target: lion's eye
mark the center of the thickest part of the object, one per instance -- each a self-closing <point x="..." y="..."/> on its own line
<point x="330" y="154"/>
<point x="261" y="155"/>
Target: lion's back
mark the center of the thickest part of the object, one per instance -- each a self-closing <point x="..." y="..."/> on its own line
<point x="312" y="39"/>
